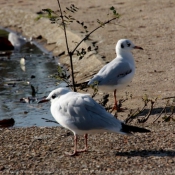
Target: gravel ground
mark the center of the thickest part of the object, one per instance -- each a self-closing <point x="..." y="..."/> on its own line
<point x="41" y="151"/>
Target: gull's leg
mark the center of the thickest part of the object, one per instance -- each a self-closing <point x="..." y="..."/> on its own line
<point x="125" y="139"/>
<point x="86" y="146"/>
<point x="115" y="101"/>
<point x="116" y="107"/>
<point x="75" y="147"/>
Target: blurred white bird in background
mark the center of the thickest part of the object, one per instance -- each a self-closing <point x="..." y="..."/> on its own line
<point x="17" y="41"/>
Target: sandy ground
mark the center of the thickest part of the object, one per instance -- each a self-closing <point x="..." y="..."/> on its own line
<point x="41" y="151"/>
<point x="149" y="24"/>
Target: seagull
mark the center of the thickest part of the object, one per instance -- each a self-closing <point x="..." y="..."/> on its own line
<point x="119" y="72"/>
<point x="82" y="115"/>
<point x="17" y="41"/>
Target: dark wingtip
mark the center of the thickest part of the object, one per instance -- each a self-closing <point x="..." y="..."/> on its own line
<point x="129" y="129"/>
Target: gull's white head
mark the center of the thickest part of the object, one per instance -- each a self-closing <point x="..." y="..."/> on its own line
<point x="125" y="45"/>
<point x="55" y="94"/>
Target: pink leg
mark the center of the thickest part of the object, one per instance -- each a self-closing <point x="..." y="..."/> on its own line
<point x="125" y="139"/>
<point x="85" y="148"/>
<point x="115" y="101"/>
<point x="115" y="107"/>
<point x="86" y="137"/>
<point x="75" y="146"/>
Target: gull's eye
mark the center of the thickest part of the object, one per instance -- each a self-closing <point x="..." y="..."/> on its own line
<point x="122" y="46"/>
<point x="53" y="96"/>
<point x="128" y="44"/>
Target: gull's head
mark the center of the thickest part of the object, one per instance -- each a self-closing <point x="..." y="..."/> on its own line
<point x="125" y="45"/>
<point x="55" y="94"/>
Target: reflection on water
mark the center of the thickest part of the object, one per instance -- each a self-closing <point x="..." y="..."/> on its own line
<point x="15" y="83"/>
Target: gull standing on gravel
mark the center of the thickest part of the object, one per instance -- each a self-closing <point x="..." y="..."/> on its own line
<point x="83" y="115"/>
<point x="119" y="72"/>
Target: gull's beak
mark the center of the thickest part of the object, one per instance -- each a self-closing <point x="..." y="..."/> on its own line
<point x="137" y="47"/>
<point x="43" y="100"/>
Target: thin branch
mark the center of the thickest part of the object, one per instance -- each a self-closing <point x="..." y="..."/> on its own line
<point x="168" y="98"/>
<point x="170" y="116"/>
<point x="135" y="114"/>
<point x="70" y="53"/>
<point x="148" y="115"/>
<point x="91" y="33"/>
<point x="159" y="114"/>
<point x="47" y="120"/>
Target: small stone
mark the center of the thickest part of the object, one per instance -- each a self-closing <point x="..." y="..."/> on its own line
<point x="33" y="76"/>
<point x="22" y="61"/>
<point x="2" y="168"/>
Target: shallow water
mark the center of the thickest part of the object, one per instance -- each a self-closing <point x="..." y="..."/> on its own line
<point x="15" y="84"/>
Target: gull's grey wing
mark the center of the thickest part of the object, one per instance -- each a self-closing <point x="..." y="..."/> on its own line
<point x="111" y="73"/>
<point x="86" y="114"/>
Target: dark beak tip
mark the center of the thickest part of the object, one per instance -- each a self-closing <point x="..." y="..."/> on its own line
<point x="43" y="101"/>
<point x="138" y="47"/>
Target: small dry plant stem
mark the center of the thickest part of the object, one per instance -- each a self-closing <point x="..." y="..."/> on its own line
<point x="84" y="39"/>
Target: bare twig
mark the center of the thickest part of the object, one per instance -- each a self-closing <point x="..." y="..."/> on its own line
<point x="170" y="116"/>
<point x="91" y="33"/>
<point x="165" y="98"/>
<point x="164" y="110"/>
<point x="159" y="114"/>
<point x="134" y="115"/>
<point x="70" y="53"/>
<point x="47" y="120"/>
<point x="80" y="85"/>
<point x="148" y="115"/>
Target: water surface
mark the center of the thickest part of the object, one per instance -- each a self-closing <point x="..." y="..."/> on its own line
<point x="16" y="81"/>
